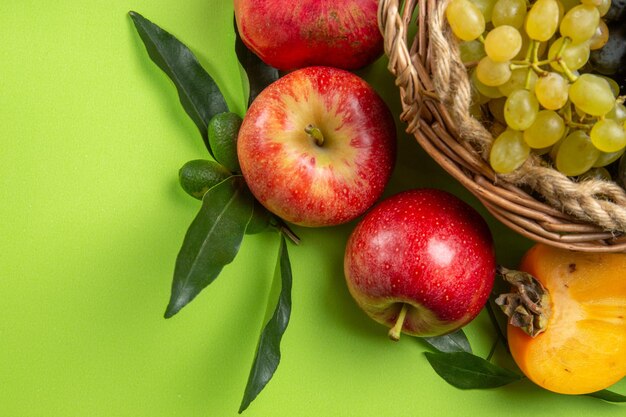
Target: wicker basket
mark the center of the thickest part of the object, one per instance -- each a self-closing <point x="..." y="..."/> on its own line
<point x="535" y="200"/>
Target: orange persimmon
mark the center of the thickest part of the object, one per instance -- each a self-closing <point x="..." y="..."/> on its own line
<point x="581" y="342"/>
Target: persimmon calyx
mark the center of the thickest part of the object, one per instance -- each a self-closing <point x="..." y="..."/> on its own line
<point x="528" y="304"/>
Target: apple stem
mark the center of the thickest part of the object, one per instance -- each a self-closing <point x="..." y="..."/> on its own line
<point x="396" y="330"/>
<point x="315" y="133"/>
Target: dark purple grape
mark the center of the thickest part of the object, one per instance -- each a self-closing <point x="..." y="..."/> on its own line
<point x="611" y="58"/>
<point x="617" y="12"/>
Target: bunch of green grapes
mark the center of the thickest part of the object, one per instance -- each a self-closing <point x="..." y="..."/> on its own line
<point x="527" y="63"/>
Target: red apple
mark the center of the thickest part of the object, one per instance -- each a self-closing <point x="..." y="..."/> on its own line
<point x="317" y="146"/>
<point x="421" y="262"/>
<point x="294" y="34"/>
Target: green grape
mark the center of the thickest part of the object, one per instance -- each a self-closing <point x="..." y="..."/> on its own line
<point x="509" y="12"/>
<point x="608" y="136"/>
<point x="561" y="10"/>
<point x="545" y="131"/>
<point x="542" y="20"/>
<point x="602" y="5"/>
<point x="521" y="55"/>
<point x="485" y="90"/>
<point x="485" y="7"/>
<point x="552" y="91"/>
<point x="581" y="114"/>
<point x="508" y="152"/>
<point x="617" y="113"/>
<point x="598" y="173"/>
<point x="612" y="83"/>
<point x="576" y="154"/>
<point x="465" y="19"/>
<point x="503" y="43"/>
<point x="607" y="158"/>
<point x="573" y="55"/>
<point x="493" y="73"/>
<point x="600" y="36"/>
<point x="526" y="44"/>
<point x="592" y="94"/>
<point x="496" y="108"/>
<point x="568" y="4"/>
<point x="520" y="109"/>
<point x="541" y="151"/>
<point x="580" y="23"/>
<point x="555" y="148"/>
<point x="471" y="51"/>
<point x="518" y="81"/>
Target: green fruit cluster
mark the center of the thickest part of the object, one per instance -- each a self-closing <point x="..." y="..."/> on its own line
<point x="533" y="86"/>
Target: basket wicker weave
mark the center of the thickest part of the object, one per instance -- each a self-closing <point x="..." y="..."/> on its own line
<point x="535" y="200"/>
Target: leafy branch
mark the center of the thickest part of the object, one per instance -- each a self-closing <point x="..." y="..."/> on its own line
<point x="229" y="210"/>
<point x="212" y="241"/>
<point x="455" y="363"/>
<point x="199" y="94"/>
<point x="267" y="355"/>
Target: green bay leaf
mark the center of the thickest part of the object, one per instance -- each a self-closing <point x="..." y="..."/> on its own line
<point x="212" y="240"/>
<point x="454" y="342"/>
<point x="267" y="355"/>
<point x="466" y="371"/>
<point x="199" y="94"/>
<point x="256" y="74"/>
<point x="609" y="396"/>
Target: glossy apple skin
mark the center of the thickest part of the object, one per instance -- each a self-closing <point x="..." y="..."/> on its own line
<point x="294" y="34"/>
<point x="426" y="248"/>
<point x="301" y="181"/>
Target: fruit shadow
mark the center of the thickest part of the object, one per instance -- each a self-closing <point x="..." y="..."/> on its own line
<point x="338" y="303"/>
<point x="534" y="400"/>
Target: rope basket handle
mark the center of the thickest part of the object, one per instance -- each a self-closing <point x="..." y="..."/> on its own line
<point x="435" y="94"/>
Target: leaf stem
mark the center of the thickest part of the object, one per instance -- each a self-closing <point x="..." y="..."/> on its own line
<point x="493" y="348"/>
<point x="286" y="231"/>
<point x="494" y="321"/>
<point x="396" y="330"/>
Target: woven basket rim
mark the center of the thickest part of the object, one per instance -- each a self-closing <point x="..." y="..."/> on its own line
<point x="431" y="119"/>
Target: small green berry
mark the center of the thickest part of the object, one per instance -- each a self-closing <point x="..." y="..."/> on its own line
<point x="197" y="176"/>
<point x="260" y="220"/>
<point x="223" y="132"/>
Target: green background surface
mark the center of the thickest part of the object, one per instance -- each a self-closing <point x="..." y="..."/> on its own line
<point x="91" y="220"/>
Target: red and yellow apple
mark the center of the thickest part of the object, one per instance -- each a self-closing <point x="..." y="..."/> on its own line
<point x="421" y="262"/>
<point x="317" y="146"/>
<point x="294" y="34"/>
